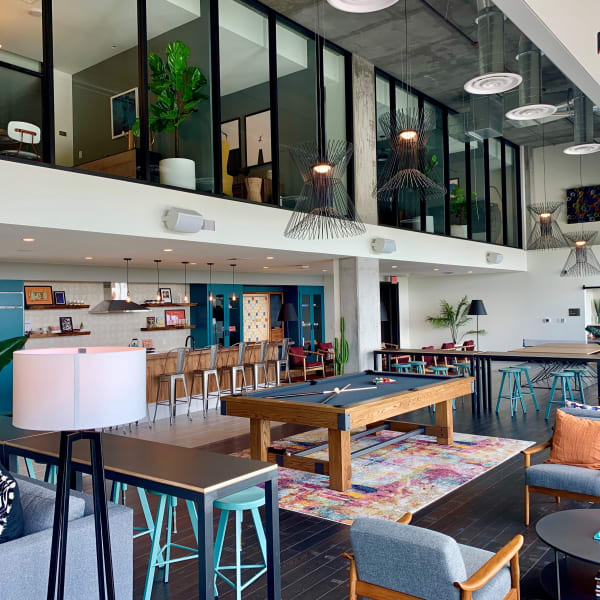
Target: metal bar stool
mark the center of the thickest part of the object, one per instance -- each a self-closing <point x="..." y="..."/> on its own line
<point x="251" y="499"/>
<point x="260" y="364"/>
<point x="514" y="386"/>
<point x="565" y="383"/>
<point x="284" y="361"/>
<point x="204" y="375"/>
<point x="171" y="378"/>
<point x="238" y="367"/>
<point x="578" y="372"/>
<point x="525" y="370"/>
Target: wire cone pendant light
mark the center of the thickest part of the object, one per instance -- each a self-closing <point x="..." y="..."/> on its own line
<point x="323" y="210"/>
<point x="582" y="261"/>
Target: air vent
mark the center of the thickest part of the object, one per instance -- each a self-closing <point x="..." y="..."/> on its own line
<point x="493" y="83"/>
<point x="531" y="112"/>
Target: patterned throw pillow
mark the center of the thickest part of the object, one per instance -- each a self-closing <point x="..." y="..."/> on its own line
<point x="571" y="404"/>
<point x="11" y="512"/>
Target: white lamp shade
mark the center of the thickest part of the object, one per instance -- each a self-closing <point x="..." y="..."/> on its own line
<point x="63" y="389"/>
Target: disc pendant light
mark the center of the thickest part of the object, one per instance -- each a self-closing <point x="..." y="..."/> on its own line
<point x="158" y="297"/>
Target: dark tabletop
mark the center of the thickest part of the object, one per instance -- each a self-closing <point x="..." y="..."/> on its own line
<point x="572" y="532"/>
<point x="187" y="468"/>
<point x="403" y="382"/>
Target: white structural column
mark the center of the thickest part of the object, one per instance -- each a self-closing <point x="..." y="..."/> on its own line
<point x="358" y="281"/>
<point x="365" y="139"/>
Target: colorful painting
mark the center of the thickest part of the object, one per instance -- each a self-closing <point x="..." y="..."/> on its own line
<point x="583" y="204"/>
<point x="393" y="480"/>
<point x="256" y="317"/>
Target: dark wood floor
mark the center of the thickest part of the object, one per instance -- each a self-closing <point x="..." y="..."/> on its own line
<point x="486" y="513"/>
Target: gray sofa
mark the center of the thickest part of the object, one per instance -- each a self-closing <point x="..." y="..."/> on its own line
<point x="561" y="481"/>
<point x="25" y="561"/>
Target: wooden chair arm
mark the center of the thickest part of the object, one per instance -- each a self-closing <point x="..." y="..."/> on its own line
<point x="492" y="567"/>
<point x="387" y="345"/>
<point x="405" y="519"/>
<point x="394" y="356"/>
<point x="534" y="450"/>
<point x="350" y="557"/>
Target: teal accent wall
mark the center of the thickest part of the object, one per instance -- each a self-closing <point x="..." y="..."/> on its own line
<point x="11" y="325"/>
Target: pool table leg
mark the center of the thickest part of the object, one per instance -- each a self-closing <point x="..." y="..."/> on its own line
<point x="260" y="438"/>
<point x="445" y="420"/>
<point x="340" y="467"/>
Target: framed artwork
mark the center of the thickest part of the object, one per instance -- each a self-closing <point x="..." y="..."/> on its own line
<point x="174" y="317"/>
<point x="148" y="343"/>
<point x="66" y="324"/>
<point x="165" y="294"/>
<point x="124" y="110"/>
<point x="258" y="138"/>
<point x="36" y="295"/>
<point x="150" y="321"/>
<point x="59" y="297"/>
<point x="230" y="132"/>
<point x="583" y="204"/>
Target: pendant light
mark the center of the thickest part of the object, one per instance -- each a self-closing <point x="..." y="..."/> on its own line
<point x="323" y="208"/>
<point x="128" y="297"/>
<point x="186" y="298"/>
<point x="583" y="126"/>
<point x="211" y="298"/>
<point x="158" y="297"/>
<point x="233" y="297"/>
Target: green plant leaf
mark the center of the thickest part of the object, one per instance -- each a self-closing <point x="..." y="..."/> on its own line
<point x="177" y="54"/>
<point x="7" y="347"/>
<point x="157" y="66"/>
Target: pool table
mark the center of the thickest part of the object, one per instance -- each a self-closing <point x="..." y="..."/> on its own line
<point x="315" y="403"/>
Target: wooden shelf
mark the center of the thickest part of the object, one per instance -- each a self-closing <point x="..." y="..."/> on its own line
<point x="56" y="306"/>
<point x="168" y="304"/>
<point x="170" y="328"/>
<point x="49" y="335"/>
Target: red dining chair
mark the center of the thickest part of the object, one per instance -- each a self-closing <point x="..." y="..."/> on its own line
<point x="428" y="359"/>
<point x="447" y="346"/>
<point x="326" y="349"/>
<point x="299" y="363"/>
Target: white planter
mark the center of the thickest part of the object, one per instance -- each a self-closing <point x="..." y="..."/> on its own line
<point x="179" y="172"/>
<point x="458" y="231"/>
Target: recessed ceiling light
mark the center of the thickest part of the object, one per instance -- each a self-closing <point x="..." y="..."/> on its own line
<point x="167" y="249"/>
<point x="435" y="269"/>
<point x="88" y="257"/>
<point x="580" y="149"/>
<point x="302" y="266"/>
<point x="530" y="112"/>
<point x="114" y="46"/>
<point x="29" y="239"/>
<point x="270" y="257"/>
<point x="361" y="6"/>
<point x="266" y="267"/>
<point x="35" y="12"/>
<point x="394" y="266"/>
<point x="324" y="270"/>
<point x="493" y="83"/>
<point x="192" y="263"/>
<point x="469" y="272"/>
<point x="0" y="45"/>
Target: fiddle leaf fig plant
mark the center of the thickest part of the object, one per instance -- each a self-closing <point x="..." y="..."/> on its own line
<point x="7" y="347"/>
<point x="178" y="88"/>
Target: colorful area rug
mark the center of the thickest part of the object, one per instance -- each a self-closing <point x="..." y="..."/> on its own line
<point x="386" y="483"/>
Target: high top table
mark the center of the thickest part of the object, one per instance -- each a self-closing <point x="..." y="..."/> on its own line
<point x="186" y="473"/>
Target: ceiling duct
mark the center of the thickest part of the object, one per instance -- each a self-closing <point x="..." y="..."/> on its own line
<point x="492" y="78"/>
<point x="486" y="118"/>
<point x="530" y="92"/>
<point x="583" y="126"/>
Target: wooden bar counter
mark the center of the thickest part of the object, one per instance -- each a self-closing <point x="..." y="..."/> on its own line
<point x="199" y="359"/>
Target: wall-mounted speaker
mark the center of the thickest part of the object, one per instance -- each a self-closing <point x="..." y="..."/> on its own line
<point x="383" y="246"/>
<point x="183" y="221"/>
<point x="494" y="258"/>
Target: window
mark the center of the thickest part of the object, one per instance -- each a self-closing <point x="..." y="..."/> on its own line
<point x="435" y="203"/>
<point x="478" y="195"/>
<point x="386" y="211"/>
<point x="495" y="169"/>
<point x="246" y="146"/>
<point x="457" y="184"/>
<point x="512" y="197"/>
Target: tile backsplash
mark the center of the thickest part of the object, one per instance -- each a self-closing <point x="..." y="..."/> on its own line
<point x="108" y="329"/>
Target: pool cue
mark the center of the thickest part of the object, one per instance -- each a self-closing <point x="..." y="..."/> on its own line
<point x="276" y="397"/>
<point x="334" y="395"/>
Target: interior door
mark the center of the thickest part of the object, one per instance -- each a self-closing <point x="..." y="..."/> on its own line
<point x="311" y="316"/>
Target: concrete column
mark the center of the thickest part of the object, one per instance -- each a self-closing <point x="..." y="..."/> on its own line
<point x="360" y="306"/>
<point x="365" y="139"/>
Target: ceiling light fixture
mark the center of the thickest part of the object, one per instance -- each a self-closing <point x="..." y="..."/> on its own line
<point x="29" y="240"/>
<point x="167" y="249"/>
<point x="186" y="298"/>
<point x="361" y="6"/>
<point x="211" y="298"/>
<point x="394" y="266"/>
<point x="158" y="297"/>
<point x="128" y="297"/>
<point x="88" y="257"/>
<point x="266" y="267"/>
<point x="582" y="261"/>
<point x="583" y="126"/>
<point x="233" y="297"/>
<point x="435" y="269"/>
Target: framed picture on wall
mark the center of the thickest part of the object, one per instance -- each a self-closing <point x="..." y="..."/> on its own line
<point x="258" y="138"/>
<point x="59" y="297"/>
<point x="66" y="324"/>
<point x="174" y="317"/>
<point x="165" y="295"/>
<point x="230" y="132"/>
<point x="36" y="295"/>
<point x="124" y="111"/>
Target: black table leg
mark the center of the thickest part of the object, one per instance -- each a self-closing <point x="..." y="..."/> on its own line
<point x="484" y="386"/>
<point x="474" y="393"/>
<point x="557" y="566"/>
<point x="478" y="382"/>
<point x="488" y="361"/>
<point x="272" y="532"/>
<point x="206" y="585"/>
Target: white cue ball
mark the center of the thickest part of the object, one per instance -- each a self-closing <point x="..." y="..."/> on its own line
<point x="336" y="390"/>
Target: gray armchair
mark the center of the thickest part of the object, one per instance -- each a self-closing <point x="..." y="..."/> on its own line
<point x="26" y="560"/>
<point x="561" y="481"/>
<point x="396" y="561"/>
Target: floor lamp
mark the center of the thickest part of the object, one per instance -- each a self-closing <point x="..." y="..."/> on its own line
<point x="287" y="312"/>
<point x="477" y="308"/>
<point x="76" y="391"/>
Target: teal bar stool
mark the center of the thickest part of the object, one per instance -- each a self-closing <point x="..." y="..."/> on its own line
<point x="441" y="370"/>
<point x="579" y="372"/>
<point x="565" y="383"/>
<point x="251" y="499"/>
<point x="402" y="367"/>
<point x="513" y="374"/>
<point x="462" y="369"/>
<point x="418" y="366"/>
<point x="525" y="371"/>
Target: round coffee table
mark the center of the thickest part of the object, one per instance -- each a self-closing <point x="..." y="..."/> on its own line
<point x="571" y="532"/>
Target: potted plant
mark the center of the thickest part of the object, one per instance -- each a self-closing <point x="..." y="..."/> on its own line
<point x="179" y="90"/>
<point x="454" y="318"/>
<point x="458" y="212"/>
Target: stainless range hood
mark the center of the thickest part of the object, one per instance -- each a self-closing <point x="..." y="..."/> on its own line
<point x="115" y="301"/>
